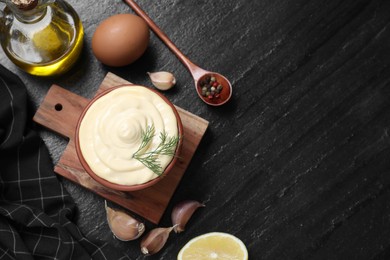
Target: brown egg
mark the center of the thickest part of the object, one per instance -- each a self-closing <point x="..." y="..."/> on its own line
<point x="120" y="39"/>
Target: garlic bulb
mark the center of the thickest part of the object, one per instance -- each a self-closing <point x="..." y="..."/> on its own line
<point x="152" y="242"/>
<point x="162" y="80"/>
<point x="182" y="213"/>
<point x="123" y="226"/>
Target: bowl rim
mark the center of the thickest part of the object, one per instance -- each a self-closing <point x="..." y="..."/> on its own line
<point x="121" y="187"/>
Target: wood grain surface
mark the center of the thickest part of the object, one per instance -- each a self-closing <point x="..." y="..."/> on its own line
<point x="60" y="112"/>
<point x="297" y="163"/>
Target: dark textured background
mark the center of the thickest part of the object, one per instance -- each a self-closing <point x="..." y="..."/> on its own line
<point x="297" y="164"/>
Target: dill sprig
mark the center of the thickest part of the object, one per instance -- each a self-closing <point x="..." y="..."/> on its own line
<point x="167" y="146"/>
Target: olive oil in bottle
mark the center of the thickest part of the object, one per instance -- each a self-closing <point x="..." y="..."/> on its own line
<point x="42" y="37"/>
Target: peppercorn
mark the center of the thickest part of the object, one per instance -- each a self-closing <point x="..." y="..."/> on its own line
<point x="210" y="87"/>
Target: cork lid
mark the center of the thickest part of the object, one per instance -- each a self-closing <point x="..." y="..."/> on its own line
<point x="25" y="4"/>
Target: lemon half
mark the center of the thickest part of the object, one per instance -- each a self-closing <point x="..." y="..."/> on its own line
<point x="214" y="245"/>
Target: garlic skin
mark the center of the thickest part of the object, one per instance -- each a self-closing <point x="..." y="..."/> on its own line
<point x="182" y="213"/>
<point x="152" y="242"/>
<point x="162" y="80"/>
<point x="123" y="226"/>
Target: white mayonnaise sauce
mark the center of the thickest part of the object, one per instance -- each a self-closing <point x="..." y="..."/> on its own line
<point x="110" y="133"/>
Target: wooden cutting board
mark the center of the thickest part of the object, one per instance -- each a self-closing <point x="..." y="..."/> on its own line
<point x="60" y="111"/>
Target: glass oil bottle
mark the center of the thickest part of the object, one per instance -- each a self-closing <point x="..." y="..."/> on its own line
<point x="42" y="37"/>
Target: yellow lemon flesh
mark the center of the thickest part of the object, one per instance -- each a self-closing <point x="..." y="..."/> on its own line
<point x="214" y="245"/>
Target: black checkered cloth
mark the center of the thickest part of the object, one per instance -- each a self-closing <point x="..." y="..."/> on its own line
<point x="36" y="212"/>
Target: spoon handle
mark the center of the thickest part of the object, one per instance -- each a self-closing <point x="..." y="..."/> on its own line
<point x="194" y="69"/>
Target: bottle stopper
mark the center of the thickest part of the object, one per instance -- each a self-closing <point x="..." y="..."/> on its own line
<point x="25" y="4"/>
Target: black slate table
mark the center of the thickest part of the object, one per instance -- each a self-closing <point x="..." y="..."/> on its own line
<point x="297" y="165"/>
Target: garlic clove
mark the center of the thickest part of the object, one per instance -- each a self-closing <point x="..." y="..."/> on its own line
<point x="182" y="213"/>
<point x="162" y="80"/>
<point x="123" y="226"/>
<point x="152" y="242"/>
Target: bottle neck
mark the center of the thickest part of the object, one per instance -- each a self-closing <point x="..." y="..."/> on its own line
<point x="28" y="11"/>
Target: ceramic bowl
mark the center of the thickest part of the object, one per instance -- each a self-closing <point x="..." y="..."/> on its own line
<point x="118" y="186"/>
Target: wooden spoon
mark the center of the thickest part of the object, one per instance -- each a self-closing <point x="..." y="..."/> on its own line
<point x="200" y="75"/>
